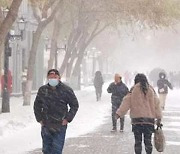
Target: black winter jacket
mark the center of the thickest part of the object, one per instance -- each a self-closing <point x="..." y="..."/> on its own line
<point x="118" y="91"/>
<point x="51" y="105"/>
<point x="163" y="85"/>
<point x="98" y="82"/>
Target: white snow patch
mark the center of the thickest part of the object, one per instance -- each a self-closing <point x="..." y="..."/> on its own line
<point x="173" y="124"/>
<point x="172" y="117"/>
<point x="172" y="143"/>
<point x="20" y="133"/>
<point x="171" y="129"/>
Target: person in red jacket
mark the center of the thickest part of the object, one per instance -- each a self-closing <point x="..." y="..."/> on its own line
<point x="9" y="83"/>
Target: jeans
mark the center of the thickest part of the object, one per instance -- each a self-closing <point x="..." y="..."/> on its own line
<point x="98" y="93"/>
<point x="143" y="130"/>
<point x="114" y="120"/>
<point x="53" y="142"/>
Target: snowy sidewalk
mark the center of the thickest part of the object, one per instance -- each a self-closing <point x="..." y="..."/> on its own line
<point x="102" y="141"/>
<point x="90" y="130"/>
<point x="20" y="133"/>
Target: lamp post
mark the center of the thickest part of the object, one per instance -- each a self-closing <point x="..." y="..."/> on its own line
<point x="6" y="80"/>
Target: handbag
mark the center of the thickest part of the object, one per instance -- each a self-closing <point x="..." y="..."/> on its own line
<point x="159" y="139"/>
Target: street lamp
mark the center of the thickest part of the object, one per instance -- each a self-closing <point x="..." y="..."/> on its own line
<point x="21" y="26"/>
<point x="7" y="54"/>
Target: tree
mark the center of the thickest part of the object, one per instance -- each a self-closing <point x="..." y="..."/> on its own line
<point x="5" y="25"/>
<point x="86" y="14"/>
<point x="9" y="20"/>
<point x="43" y="21"/>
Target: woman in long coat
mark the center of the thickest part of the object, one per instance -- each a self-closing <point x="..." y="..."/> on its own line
<point x="98" y="83"/>
<point x="144" y="107"/>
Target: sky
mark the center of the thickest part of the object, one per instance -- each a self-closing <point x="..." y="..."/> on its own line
<point x="149" y="50"/>
<point x="143" y="51"/>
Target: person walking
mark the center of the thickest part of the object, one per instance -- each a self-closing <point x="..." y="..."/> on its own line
<point x="144" y="107"/>
<point x="51" y="111"/>
<point x="118" y="90"/>
<point x="9" y="83"/>
<point x="163" y="85"/>
<point x="98" y="83"/>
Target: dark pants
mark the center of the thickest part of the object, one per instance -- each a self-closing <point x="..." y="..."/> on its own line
<point x="114" y="120"/>
<point x="53" y="142"/>
<point x="143" y="130"/>
<point x="98" y="93"/>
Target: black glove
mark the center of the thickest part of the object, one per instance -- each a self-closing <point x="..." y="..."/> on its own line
<point x="158" y="123"/>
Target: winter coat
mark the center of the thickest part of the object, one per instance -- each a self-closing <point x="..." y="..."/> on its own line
<point x="163" y="85"/>
<point x="9" y="82"/>
<point x="98" y="82"/>
<point x="118" y="91"/>
<point x="51" y="105"/>
<point x="143" y="109"/>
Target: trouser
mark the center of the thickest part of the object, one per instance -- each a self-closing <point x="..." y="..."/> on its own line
<point x="98" y="93"/>
<point x="114" y="120"/>
<point x="145" y="131"/>
<point x="53" y="142"/>
<point x="162" y="98"/>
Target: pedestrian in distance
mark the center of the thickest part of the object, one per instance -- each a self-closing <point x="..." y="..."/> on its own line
<point x="51" y="111"/>
<point x="163" y="85"/>
<point x="98" y="83"/>
<point x="144" y="107"/>
<point x="9" y="83"/>
<point x="118" y="90"/>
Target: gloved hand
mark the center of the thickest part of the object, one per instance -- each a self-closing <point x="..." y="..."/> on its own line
<point x="158" y="123"/>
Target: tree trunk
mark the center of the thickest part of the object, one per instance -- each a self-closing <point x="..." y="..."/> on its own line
<point x="32" y="56"/>
<point x="73" y="39"/>
<point x="76" y="74"/>
<point x="31" y="64"/>
<point x="54" y="44"/>
<point x="78" y="63"/>
<point x="70" y="64"/>
<point x="1" y="60"/>
<point x="9" y="20"/>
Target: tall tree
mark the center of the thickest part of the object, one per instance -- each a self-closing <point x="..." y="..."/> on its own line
<point x="9" y="20"/>
<point x="43" y="21"/>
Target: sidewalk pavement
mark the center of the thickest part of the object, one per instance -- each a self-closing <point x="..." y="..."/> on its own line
<point x="102" y="141"/>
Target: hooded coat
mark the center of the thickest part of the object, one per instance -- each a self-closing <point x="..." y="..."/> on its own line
<point x="163" y="84"/>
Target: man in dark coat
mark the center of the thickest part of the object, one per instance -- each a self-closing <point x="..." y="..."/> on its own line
<point x="118" y="90"/>
<point x="98" y="83"/>
<point x="51" y="111"/>
<point x="163" y="85"/>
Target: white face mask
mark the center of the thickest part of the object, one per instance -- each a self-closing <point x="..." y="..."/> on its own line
<point x="53" y="82"/>
<point x="162" y="76"/>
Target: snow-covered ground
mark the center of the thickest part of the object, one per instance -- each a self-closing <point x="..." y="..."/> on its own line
<point x="19" y="131"/>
